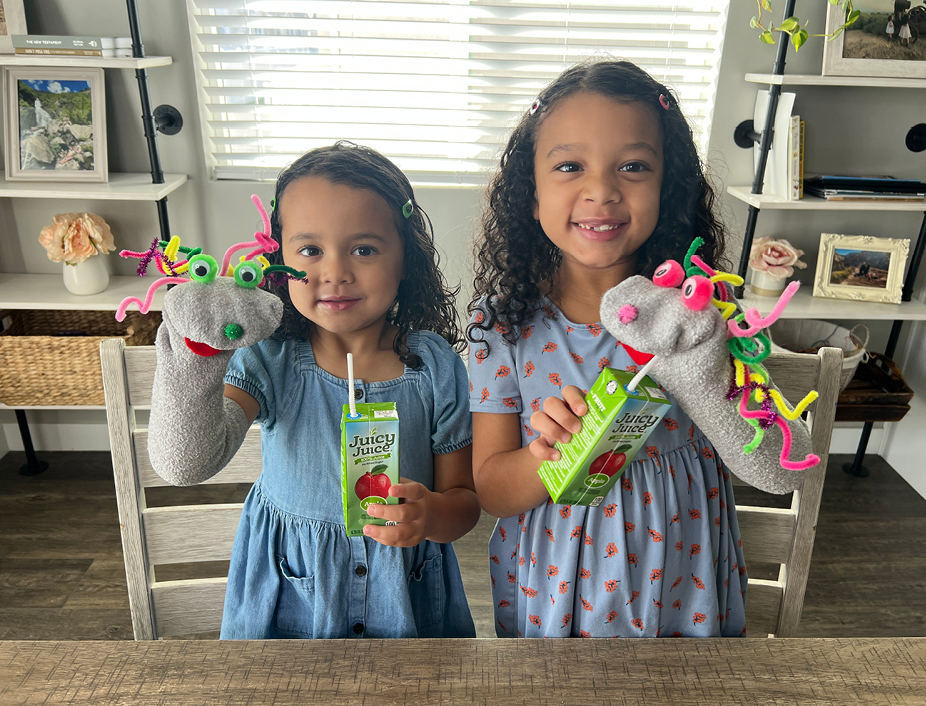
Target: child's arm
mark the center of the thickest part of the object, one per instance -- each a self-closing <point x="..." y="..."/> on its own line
<point x="441" y="515"/>
<point x="505" y="472"/>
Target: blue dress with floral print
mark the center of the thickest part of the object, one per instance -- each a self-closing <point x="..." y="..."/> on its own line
<point x="660" y="556"/>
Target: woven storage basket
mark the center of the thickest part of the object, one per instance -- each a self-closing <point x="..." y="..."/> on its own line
<point x="53" y="357"/>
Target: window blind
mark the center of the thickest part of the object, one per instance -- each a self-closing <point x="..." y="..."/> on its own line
<point x="436" y="85"/>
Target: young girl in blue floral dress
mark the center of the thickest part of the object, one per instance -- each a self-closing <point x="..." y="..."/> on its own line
<point x="601" y="180"/>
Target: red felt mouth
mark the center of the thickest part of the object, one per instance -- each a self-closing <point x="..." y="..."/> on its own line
<point x="203" y="349"/>
<point x="638" y="357"/>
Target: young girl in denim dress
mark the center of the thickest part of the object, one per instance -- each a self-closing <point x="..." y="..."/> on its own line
<point x="347" y="217"/>
<point x="600" y="181"/>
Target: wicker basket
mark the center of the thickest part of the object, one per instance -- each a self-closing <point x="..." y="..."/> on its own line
<point x="53" y="357"/>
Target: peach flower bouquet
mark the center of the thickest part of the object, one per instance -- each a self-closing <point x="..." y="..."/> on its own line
<point x="776" y="258"/>
<point x="73" y="237"/>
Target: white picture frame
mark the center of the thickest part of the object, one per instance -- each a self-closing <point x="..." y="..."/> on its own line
<point x="41" y="139"/>
<point x="12" y="21"/>
<point x="860" y="267"/>
<point x="837" y="63"/>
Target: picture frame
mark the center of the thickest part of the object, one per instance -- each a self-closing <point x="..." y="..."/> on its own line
<point x="54" y="124"/>
<point x="860" y="267"/>
<point x="854" y="51"/>
<point x="12" y="21"/>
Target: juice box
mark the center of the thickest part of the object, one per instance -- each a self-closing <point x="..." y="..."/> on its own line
<point x="614" y="430"/>
<point x="369" y="462"/>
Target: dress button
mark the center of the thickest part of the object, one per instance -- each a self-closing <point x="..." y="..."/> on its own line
<point x="358" y="628"/>
<point x="361" y="570"/>
<point x="358" y="393"/>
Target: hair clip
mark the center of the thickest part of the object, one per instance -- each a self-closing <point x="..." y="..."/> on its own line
<point x="663" y="101"/>
<point x="535" y="106"/>
<point x="408" y="209"/>
<point x="273" y="204"/>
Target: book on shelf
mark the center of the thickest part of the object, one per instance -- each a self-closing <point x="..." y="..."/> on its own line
<point x="794" y="162"/>
<point x="801" y="178"/>
<point x="865" y="188"/>
<point x="778" y="169"/>
<point x="62" y="45"/>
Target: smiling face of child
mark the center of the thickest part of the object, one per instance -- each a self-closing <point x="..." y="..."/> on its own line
<point x="598" y="170"/>
<point x="346" y="241"/>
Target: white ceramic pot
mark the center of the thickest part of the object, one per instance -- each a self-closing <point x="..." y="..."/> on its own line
<point x="765" y="285"/>
<point x="88" y="277"/>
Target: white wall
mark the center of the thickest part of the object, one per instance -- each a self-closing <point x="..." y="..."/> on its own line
<point x="848" y="130"/>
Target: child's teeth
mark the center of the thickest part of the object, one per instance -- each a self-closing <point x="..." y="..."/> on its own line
<point x="599" y="228"/>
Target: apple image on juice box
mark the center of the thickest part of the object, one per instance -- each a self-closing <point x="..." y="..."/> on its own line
<point x="614" y="430"/>
<point x="369" y="462"/>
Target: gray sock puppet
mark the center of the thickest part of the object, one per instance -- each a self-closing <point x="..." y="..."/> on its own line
<point x="193" y="430"/>
<point x="697" y="348"/>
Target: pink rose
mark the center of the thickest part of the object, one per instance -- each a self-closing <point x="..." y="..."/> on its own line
<point x="775" y="257"/>
<point x="73" y="237"/>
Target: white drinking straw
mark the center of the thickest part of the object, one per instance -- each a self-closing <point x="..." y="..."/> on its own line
<point x="632" y="387"/>
<point x="350" y="387"/>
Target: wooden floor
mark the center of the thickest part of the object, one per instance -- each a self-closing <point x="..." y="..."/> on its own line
<point x="62" y="577"/>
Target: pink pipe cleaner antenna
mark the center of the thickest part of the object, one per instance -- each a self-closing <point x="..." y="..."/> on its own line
<point x="263" y="242"/>
<point x="754" y="317"/>
<point x="698" y="262"/>
<point x="145" y="306"/>
<point x="809" y="462"/>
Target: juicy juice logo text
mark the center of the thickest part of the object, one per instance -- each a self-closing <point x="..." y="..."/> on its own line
<point x="634" y="423"/>
<point x="372" y="444"/>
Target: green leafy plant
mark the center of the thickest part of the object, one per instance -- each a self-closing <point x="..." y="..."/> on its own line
<point x="792" y="26"/>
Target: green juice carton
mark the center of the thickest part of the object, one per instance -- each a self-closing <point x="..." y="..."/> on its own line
<point x="369" y="461"/>
<point x="614" y="430"/>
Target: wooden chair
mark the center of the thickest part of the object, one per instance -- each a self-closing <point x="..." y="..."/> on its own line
<point x="785" y="536"/>
<point x="155" y="537"/>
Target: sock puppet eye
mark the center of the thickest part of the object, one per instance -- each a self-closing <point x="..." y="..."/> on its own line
<point x="669" y="274"/>
<point x="697" y="292"/>
<point x="203" y="268"/>
<point x="249" y="274"/>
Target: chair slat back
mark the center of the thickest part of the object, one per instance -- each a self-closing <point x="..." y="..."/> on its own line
<point x="170" y="535"/>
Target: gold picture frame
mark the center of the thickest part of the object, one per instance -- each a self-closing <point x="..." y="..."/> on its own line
<point x="860" y="267"/>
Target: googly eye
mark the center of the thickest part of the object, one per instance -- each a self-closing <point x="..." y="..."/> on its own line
<point x="249" y="274"/>
<point x="669" y="274"/>
<point x="203" y="268"/>
<point x="697" y="292"/>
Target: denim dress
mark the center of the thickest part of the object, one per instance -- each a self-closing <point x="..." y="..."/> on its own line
<point x="294" y="572"/>
<point x="661" y="555"/>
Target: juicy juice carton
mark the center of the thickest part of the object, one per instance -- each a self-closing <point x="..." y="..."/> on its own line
<point x="615" y="428"/>
<point x="369" y="462"/>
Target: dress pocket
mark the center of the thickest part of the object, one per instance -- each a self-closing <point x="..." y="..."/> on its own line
<point x="295" y="614"/>
<point x="426" y="593"/>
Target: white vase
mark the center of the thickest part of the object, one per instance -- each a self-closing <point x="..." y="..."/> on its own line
<point x="765" y="285"/>
<point x="88" y="277"/>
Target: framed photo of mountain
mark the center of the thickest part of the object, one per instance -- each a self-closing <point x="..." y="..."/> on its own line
<point x="860" y="267"/>
<point x="54" y="124"/>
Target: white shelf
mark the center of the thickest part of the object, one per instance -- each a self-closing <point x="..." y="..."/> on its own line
<point x="858" y="81"/>
<point x="25" y="291"/>
<point x="804" y="305"/>
<point x="813" y="203"/>
<point x="120" y="187"/>
<point x="91" y="61"/>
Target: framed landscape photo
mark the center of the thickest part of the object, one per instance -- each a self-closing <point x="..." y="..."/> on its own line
<point x="888" y="39"/>
<point x="12" y="21"/>
<point x="860" y="267"/>
<point x="54" y="124"/>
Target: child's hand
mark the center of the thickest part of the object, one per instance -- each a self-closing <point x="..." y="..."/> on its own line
<point x="413" y="516"/>
<point x="558" y="421"/>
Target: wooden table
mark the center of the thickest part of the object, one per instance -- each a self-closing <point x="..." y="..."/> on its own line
<point x="846" y="672"/>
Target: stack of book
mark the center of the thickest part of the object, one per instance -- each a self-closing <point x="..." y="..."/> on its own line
<point x="865" y="188"/>
<point x="784" y="168"/>
<point x="54" y="45"/>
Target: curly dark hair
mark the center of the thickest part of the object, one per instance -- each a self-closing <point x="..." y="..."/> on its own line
<point x="424" y="300"/>
<point x="514" y="255"/>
